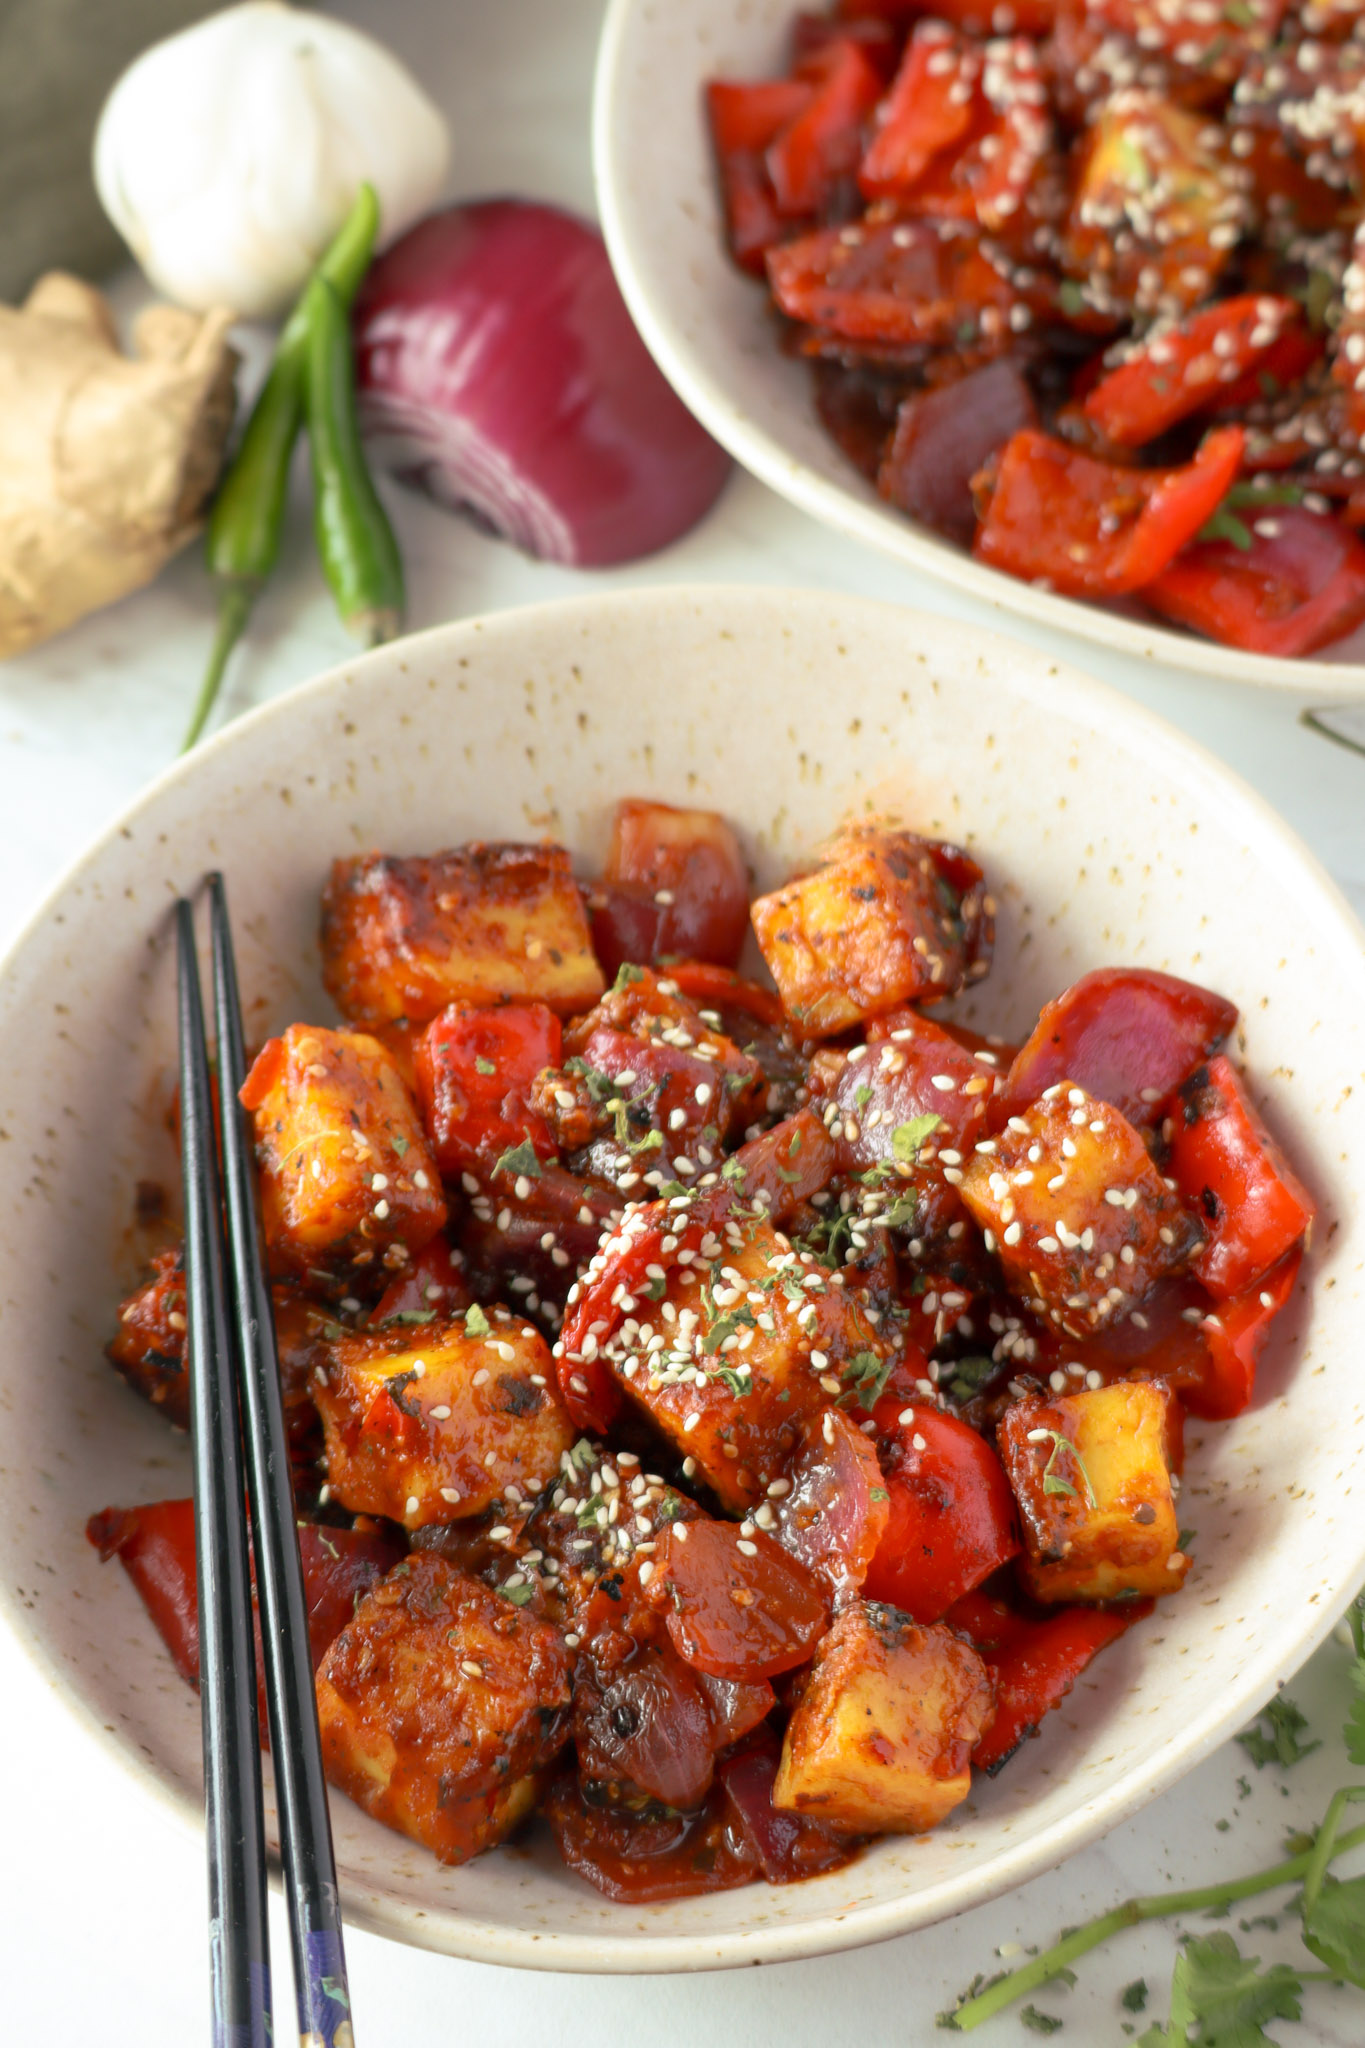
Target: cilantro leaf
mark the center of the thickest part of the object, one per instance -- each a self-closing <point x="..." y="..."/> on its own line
<point x="520" y="1159"/>
<point x="1282" y="1745"/>
<point x="1053" y="1481"/>
<point x="599" y="1085"/>
<point x="867" y="1376"/>
<point x="1353" y="1733"/>
<point x="476" y="1323"/>
<point x="907" y="1138"/>
<point x="518" y="1595"/>
<point x="736" y="1379"/>
<point x="1134" y="1995"/>
<point x="862" y="1095"/>
<point x="483" y="1066"/>
<point x="970" y="1376"/>
<point x="1335" y="1928"/>
<point x="626" y="973"/>
<point x="735" y="1171"/>
<point x="1229" y="1995"/>
<point x="726" y="1326"/>
<point x="1040" y="2022"/>
<point x="1225" y="525"/>
<point x="400" y="1145"/>
<point x="409" y="1315"/>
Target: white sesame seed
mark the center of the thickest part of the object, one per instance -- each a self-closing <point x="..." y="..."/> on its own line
<point x="470" y="1668"/>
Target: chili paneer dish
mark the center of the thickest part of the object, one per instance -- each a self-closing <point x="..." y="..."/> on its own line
<point x="722" y="1417"/>
<point x="1083" y="287"/>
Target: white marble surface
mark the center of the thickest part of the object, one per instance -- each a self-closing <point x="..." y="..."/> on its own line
<point x="101" y="1898"/>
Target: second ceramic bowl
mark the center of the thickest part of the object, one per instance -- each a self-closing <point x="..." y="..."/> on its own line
<point x="710" y="330"/>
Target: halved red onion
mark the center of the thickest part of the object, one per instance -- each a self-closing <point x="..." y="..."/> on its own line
<point x="501" y="374"/>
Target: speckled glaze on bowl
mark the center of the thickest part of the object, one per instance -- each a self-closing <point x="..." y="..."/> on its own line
<point x="1107" y="837"/>
<point x="710" y="331"/>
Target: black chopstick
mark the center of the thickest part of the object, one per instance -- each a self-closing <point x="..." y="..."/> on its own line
<point x="239" y="1941"/>
<point x="320" y="1979"/>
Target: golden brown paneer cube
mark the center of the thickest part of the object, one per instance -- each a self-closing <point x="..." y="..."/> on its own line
<point x="1079" y="1217"/>
<point x="434" y="1423"/>
<point x="439" y="1704"/>
<point x="1156" y="211"/>
<point x="881" y="1739"/>
<point x="1091" y="1472"/>
<point x="348" y="1182"/>
<point x="479" y="924"/>
<point x="888" y="919"/>
<point x="744" y="1342"/>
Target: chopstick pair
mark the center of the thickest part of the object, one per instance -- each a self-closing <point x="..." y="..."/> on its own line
<point x="238" y="1435"/>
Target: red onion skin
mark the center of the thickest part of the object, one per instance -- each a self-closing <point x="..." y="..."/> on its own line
<point x="501" y="373"/>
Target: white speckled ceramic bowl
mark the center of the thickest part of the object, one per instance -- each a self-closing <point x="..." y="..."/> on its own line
<point x="710" y="331"/>
<point x="1107" y="836"/>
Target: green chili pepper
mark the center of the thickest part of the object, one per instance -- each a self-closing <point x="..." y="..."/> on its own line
<point x="242" y="544"/>
<point x="355" y="541"/>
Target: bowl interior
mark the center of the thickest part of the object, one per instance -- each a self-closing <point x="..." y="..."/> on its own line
<point x="711" y="332"/>
<point x="1107" y="838"/>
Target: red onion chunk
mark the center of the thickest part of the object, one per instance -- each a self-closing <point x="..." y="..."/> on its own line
<point x="942" y="438"/>
<point x="501" y="374"/>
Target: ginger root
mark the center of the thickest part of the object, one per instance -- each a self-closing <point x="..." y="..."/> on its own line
<point x="106" y="460"/>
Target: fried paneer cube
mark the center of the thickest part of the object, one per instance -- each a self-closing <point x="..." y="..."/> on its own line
<point x="1081" y="1220"/>
<point x="750" y="1342"/>
<point x="1091" y="1472"/>
<point x="347" y="1179"/>
<point x="881" y="1738"/>
<point x="479" y="924"/>
<point x="888" y="918"/>
<point x="434" y="1423"/>
<point x="1156" y="211"/>
<point x="439" y="1704"/>
<point x="148" y="1347"/>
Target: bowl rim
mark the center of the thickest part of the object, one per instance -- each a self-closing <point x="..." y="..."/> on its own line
<point x="1028" y="671"/>
<point x="837" y="505"/>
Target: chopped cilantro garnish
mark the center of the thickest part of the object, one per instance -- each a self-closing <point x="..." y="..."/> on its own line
<point x="518" y="1595"/>
<point x="1282" y="1745"/>
<point x="520" y="1159"/>
<point x="483" y="1066"/>
<point x="1053" y="1481"/>
<point x="862" y="1095"/>
<point x="400" y="1146"/>
<point x="907" y="1138"/>
<point x="476" y="1322"/>
<point x="1070" y="297"/>
<point x="626" y="973"/>
<point x="867" y="1376"/>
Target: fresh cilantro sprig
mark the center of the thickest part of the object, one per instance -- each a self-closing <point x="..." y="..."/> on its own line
<point x="1219" y="1997"/>
<point x="1282" y="1745"/>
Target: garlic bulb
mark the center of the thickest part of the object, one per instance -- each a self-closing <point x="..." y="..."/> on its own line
<point x="228" y="156"/>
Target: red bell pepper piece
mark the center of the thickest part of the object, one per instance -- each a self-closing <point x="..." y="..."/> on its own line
<point x="155" y="1545"/>
<point x="720" y="988"/>
<point x="951" y="1517"/>
<point x="1299" y="585"/>
<point x="1251" y="1203"/>
<point x="1235" y="1332"/>
<point x="928" y="109"/>
<point x="1091" y="529"/>
<point x="1128" y="1035"/>
<point x="1189" y="367"/>
<point x="744" y="120"/>
<point x="825" y="140"/>
<point x="1035" y="1674"/>
<point x="1031" y="17"/>
<point x="474" y="1068"/>
<point x="735" y="1612"/>
<point x="894" y="282"/>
